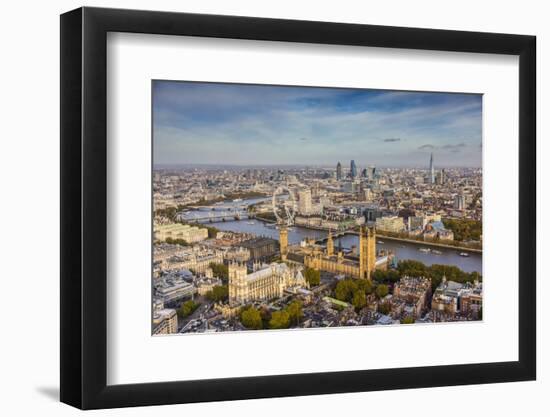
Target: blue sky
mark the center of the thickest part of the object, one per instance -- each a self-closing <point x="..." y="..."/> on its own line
<point x="239" y="124"/>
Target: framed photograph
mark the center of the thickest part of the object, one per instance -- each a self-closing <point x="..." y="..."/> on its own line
<point x="260" y="208"/>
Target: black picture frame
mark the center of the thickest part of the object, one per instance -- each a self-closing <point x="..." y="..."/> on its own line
<point x="84" y="207"/>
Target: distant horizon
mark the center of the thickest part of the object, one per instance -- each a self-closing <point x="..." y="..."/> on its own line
<point x="328" y="165"/>
<point x="261" y="125"/>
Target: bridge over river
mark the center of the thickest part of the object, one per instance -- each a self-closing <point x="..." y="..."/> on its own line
<point x="233" y="216"/>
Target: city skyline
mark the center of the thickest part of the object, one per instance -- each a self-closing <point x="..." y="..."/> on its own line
<point x="194" y="123"/>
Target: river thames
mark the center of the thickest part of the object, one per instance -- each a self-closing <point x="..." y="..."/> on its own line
<point x="402" y="250"/>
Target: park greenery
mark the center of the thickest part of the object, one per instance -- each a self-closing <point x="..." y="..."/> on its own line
<point x="454" y="243"/>
<point x="381" y="291"/>
<point x="180" y="242"/>
<point x="389" y="276"/>
<point x="353" y="291"/>
<point x="407" y="320"/>
<point x="279" y="320"/>
<point x="212" y="231"/>
<point x="435" y="272"/>
<point x="218" y="294"/>
<point x="168" y="212"/>
<point x="359" y="299"/>
<point x="295" y="312"/>
<point x="187" y="308"/>
<point x="312" y="276"/>
<point x="253" y="318"/>
<point x="464" y="229"/>
<point x="220" y="271"/>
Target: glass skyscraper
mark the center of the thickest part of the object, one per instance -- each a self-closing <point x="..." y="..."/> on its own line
<point x="353" y="169"/>
<point x="432" y="171"/>
<point x="339" y="171"/>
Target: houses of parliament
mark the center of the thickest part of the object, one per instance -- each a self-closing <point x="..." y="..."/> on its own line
<point x="326" y="259"/>
<point x="270" y="281"/>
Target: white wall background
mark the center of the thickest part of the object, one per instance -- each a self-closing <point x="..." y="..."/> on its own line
<point x="29" y="172"/>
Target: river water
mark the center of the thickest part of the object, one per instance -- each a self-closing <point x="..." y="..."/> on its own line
<point x="402" y="250"/>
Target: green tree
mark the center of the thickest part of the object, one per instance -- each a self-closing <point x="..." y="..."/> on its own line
<point x="407" y="320"/>
<point x="168" y="212"/>
<point x="412" y="268"/>
<point x="464" y="229"/>
<point x="212" y="231"/>
<point x="312" y="276"/>
<point x="475" y="276"/>
<point x="364" y="285"/>
<point x="359" y="299"/>
<point x="180" y="242"/>
<point x="378" y="275"/>
<point x="187" y="308"/>
<point x="344" y="289"/>
<point x="391" y="275"/>
<point x="220" y="271"/>
<point x="295" y="312"/>
<point x="218" y="293"/>
<point x="251" y="318"/>
<point x="381" y="290"/>
<point x="279" y="320"/>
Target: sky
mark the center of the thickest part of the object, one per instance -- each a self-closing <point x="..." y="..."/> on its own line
<point x="245" y="124"/>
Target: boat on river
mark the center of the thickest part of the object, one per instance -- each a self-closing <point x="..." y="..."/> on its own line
<point x="464" y="254"/>
<point x="437" y="252"/>
<point x="425" y="250"/>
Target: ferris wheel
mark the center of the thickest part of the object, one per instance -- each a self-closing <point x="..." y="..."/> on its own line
<point x="284" y="205"/>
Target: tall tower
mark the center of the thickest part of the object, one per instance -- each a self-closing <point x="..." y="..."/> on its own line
<point x="353" y="169"/>
<point x="283" y="241"/>
<point x="432" y="168"/>
<point x="367" y="251"/>
<point x="304" y="201"/>
<point x="237" y="282"/>
<point x="339" y="171"/>
<point x="330" y="244"/>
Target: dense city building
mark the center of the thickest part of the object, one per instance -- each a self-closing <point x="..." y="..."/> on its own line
<point x="197" y="259"/>
<point x="165" y="321"/>
<point x="231" y="238"/>
<point x="190" y="234"/>
<point x="412" y="294"/>
<point x="391" y="224"/>
<point x="260" y="248"/>
<point x="171" y="288"/>
<point x="452" y="298"/>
